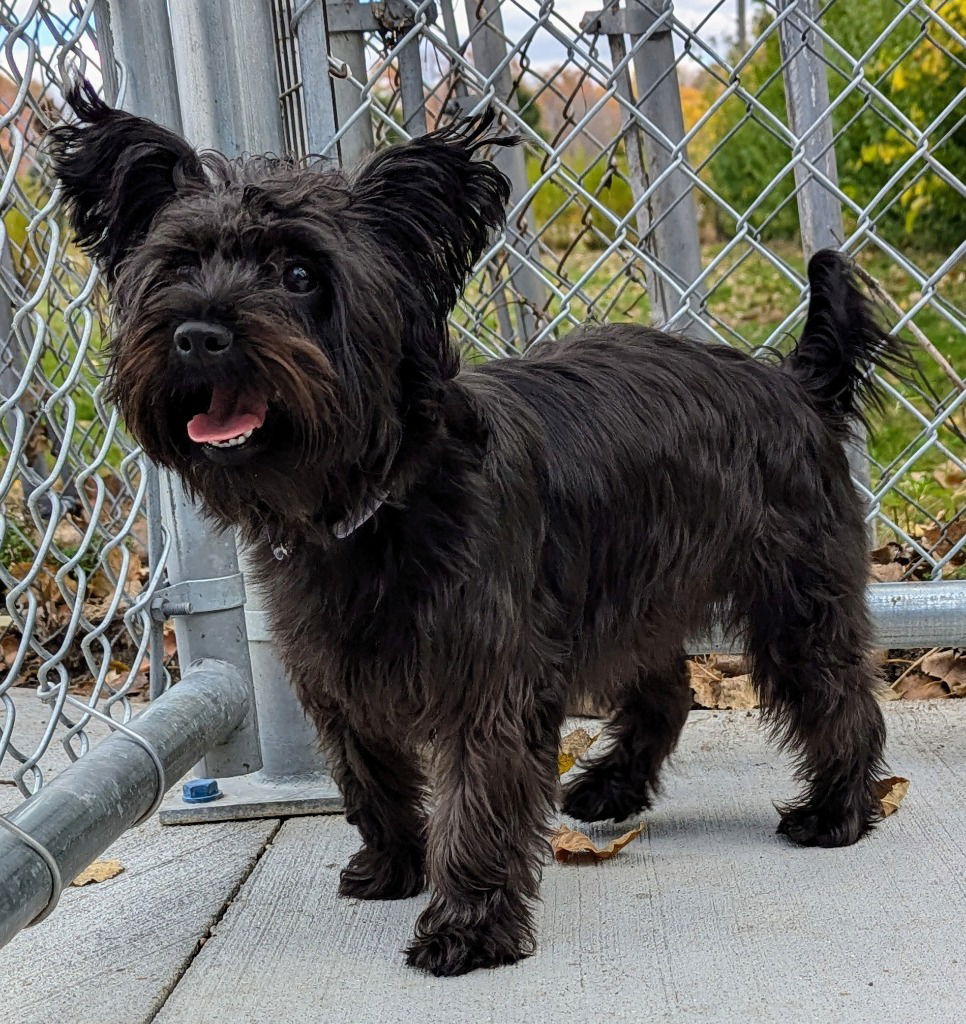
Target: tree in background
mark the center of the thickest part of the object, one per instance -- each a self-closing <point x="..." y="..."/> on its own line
<point x="917" y="67"/>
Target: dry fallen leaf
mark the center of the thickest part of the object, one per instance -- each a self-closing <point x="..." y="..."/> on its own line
<point x="729" y="664"/>
<point x="891" y="793"/>
<point x="949" y="475"/>
<point x="99" y="871"/>
<point x="575" y="744"/>
<point x="713" y="690"/>
<point x="917" y="685"/>
<point x="890" y="552"/>
<point x="948" y="667"/>
<point x="572" y="847"/>
<point x="67" y="534"/>
<point x="941" y="540"/>
<point x="892" y="572"/>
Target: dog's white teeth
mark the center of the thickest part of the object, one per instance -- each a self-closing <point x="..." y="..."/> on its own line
<point x="233" y="442"/>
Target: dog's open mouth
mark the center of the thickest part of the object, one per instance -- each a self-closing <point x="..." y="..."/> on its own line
<point x="231" y="420"/>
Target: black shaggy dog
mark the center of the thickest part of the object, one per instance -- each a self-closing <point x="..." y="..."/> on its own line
<point x="450" y="555"/>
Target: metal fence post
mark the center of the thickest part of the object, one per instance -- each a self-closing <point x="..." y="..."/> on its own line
<point x="150" y="87"/>
<point x="659" y="100"/>
<point x="816" y="173"/>
<point x="205" y="596"/>
<point x="668" y="218"/>
<point x="347" y="22"/>
<point x="308" y="27"/>
<point x="807" y="101"/>
<point x="490" y="59"/>
<point x="347" y="45"/>
<point x="202" y="568"/>
<point x="247" y="119"/>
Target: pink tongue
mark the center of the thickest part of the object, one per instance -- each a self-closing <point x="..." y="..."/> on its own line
<point x="230" y="414"/>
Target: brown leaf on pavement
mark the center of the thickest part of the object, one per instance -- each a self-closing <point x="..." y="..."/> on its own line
<point x="572" y="847"/>
<point x="917" y="685"/>
<point x="714" y="690"/>
<point x="575" y="744"/>
<point x="948" y="667"/>
<point x="891" y="793"/>
<point x="99" y="871"/>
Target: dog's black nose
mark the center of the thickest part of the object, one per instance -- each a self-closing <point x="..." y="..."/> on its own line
<point x="199" y="342"/>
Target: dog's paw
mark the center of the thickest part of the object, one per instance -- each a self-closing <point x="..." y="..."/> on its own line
<point x="593" y="797"/>
<point x="383" y="875"/>
<point x="459" y="950"/>
<point x="455" y="938"/>
<point x="809" y="826"/>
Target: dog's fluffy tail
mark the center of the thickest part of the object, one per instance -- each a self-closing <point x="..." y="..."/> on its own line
<point x="842" y="344"/>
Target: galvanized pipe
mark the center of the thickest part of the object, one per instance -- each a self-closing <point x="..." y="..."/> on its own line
<point x="199" y="557"/>
<point x="810" y="121"/>
<point x="904" y="615"/>
<point x="83" y="810"/>
<point x="149" y="85"/>
<point x="308" y="27"/>
<point x="349" y="48"/>
<point x="485" y="18"/>
<point x="675" y="212"/>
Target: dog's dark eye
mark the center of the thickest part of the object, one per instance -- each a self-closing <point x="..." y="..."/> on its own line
<point x="298" y="278"/>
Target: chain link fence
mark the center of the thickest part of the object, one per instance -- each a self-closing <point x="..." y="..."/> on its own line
<point x="670" y="173"/>
<point x="675" y="164"/>
<point x="75" y="626"/>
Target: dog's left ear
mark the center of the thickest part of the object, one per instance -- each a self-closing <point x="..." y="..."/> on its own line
<point x="118" y="170"/>
<point x="434" y="206"/>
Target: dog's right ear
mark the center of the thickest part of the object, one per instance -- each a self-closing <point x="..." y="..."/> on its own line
<point x="434" y="204"/>
<point x="118" y="170"/>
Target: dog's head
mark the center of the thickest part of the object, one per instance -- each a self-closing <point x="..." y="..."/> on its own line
<point x="276" y="320"/>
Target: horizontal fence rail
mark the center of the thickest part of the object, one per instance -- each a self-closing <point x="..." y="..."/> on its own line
<point x="51" y="837"/>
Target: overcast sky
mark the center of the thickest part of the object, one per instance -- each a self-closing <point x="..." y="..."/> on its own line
<point x="715" y="19"/>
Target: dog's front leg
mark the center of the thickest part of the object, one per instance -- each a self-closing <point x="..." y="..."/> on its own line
<point x="487" y="841"/>
<point x="384" y="788"/>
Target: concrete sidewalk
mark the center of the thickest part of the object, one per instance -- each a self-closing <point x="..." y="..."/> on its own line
<point x="708" y="917"/>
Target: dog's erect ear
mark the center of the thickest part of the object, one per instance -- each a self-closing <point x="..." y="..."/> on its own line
<point x="434" y="206"/>
<point x="118" y="170"/>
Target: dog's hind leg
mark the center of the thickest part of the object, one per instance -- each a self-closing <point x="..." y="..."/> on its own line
<point x="651" y="711"/>
<point x="809" y="640"/>
<point x="384" y="789"/>
<point x="495" y="784"/>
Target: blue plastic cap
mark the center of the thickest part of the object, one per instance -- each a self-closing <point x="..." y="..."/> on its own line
<point x="200" y="791"/>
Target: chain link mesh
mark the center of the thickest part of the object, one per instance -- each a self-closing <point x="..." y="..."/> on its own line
<point x="74" y="626"/>
<point x="584" y="238"/>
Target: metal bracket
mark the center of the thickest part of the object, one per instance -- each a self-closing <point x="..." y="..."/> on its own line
<point x="386" y="16"/>
<point x="196" y="597"/>
<point x="638" y="21"/>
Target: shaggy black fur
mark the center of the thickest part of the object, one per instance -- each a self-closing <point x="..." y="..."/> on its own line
<point x="537" y="527"/>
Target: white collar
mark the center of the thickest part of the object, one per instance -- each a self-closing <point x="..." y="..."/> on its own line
<point x="349" y="525"/>
<point x="345" y="527"/>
